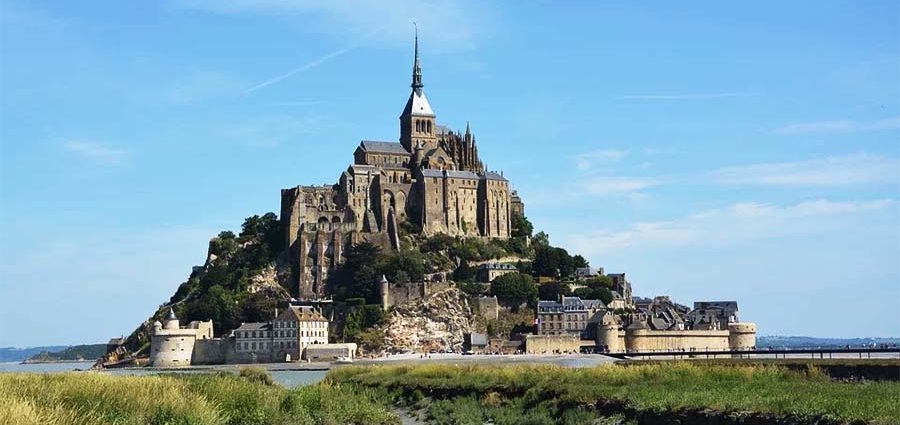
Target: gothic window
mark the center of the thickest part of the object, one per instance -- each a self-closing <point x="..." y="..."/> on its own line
<point x="429" y="126"/>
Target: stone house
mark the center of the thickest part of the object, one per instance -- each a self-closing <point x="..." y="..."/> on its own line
<point x="569" y="316"/>
<point x="490" y="271"/>
<point x="284" y="338"/>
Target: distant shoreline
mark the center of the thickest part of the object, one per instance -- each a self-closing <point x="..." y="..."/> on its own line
<point x="30" y="361"/>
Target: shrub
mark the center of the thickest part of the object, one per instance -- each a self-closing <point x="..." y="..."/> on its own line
<point x="256" y="374"/>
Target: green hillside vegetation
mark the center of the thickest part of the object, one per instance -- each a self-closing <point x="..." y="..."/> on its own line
<point x="218" y="291"/>
<point x="77" y="352"/>
<point x="452" y="394"/>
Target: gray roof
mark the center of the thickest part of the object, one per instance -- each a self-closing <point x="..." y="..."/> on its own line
<point x="433" y="172"/>
<point x="490" y="175"/>
<point x="418" y="104"/>
<point x="254" y="327"/>
<point x="461" y="174"/>
<point x="383" y="147"/>
<point x="497" y="266"/>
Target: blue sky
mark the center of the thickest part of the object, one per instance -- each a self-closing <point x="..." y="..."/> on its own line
<point x="710" y="150"/>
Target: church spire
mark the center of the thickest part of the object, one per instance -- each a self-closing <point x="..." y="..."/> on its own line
<point x="417" y="69"/>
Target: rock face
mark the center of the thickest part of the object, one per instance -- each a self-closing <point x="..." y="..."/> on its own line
<point x="436" y="323"/>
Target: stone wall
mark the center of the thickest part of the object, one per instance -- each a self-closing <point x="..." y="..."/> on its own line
<point x="643" y="340"/>
<point x="547" y="344"/>
<point x="212" y="351"/>
<point x="487" y="307"/>
<point x="327" y="352"/>
<point x="401" y="293"/>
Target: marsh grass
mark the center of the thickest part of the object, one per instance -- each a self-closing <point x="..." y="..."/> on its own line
<point x="536" y="392"/>
<point x="92" y="398"/>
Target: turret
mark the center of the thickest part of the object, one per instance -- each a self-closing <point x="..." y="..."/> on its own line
<point x="385" y="290"/>
<point x="608" y="334"/>
<point x="741" y="336"/>
<point x="171" y="321"/>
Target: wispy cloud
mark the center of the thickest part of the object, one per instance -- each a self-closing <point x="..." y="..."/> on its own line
<point x="100" y="153"/>
<point x="617" y="185"/>
<point x="471" y="19"/>
<point x="831" y="171"/>
<point x="840" y="126"/>
<point x="735" y="224"/>
<point x="201" y="85"/>
<point x="587" y="160"/>
<point x="685" y="96"/>
<point x="270" y="132"/>
<point x="306" y="67"/>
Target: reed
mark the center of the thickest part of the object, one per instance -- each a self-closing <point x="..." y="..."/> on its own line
<point x="203" y="399"/>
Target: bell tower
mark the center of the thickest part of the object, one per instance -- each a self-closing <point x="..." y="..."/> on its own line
<point x="417" y="122"/>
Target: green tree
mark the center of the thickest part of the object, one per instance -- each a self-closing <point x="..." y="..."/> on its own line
<point x="541" y="240"/>
<point x="521" y="227"/>
<point x="551" y="291"/>
<point x="358" y="275"/>
<point x="580" y="262"/>
<point x="464" y="272"/>
<point x="599" y="293"/>
<point x="513" y="289"/>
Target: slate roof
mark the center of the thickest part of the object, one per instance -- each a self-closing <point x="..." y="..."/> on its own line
<point x="456" y="174"/>
<point x="383" y="147"/>
<point x="490" y="175"/>
<point x="418" y="104"/>
<point x="497" y="266"/>
<point x="256" y="326"/>
<point x="304" y="314"/>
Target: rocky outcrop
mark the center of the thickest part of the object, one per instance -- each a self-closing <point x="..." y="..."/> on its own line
<point x="435" y="323"/>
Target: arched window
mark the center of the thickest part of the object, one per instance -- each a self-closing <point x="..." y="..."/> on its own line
<point x="429" y="126"/>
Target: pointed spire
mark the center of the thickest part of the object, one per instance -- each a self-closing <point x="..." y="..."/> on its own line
<point x="417" y="69"/>
<point x="172" y="314"/>
<point x="468" y="131"/>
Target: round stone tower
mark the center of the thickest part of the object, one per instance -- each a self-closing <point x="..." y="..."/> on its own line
<point x="608" y="336"/>
<point x="741" y="336"/>
<point x="636" y="336"/>
<point x="170" y="345"/>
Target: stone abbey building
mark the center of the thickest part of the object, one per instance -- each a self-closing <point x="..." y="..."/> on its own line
<point x="432" y="178"/>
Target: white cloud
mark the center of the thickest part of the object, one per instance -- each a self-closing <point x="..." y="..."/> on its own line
<point x="838" y="170"/>
<point x="99" y="153"/>
<point x="685" y="96"/>
<point x="616" y="185"/>
<point x="840" y="126"/>
<point x="392" y="19"/>
<point x="587" y="160"/>
<point x="731" y="225"/>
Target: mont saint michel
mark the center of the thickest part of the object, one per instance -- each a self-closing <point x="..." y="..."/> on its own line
<point x="408" y="212"/>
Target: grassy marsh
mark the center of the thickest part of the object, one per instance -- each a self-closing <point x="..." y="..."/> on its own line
<point x="201" y="399"/>
<point x="558" y="395"/>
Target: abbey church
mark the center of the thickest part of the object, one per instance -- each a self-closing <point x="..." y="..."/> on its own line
<point x="431" y="179"/>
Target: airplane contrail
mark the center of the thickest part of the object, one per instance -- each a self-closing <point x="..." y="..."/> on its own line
<point x="314" y="63"/>
<point x="306" y="67"/>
